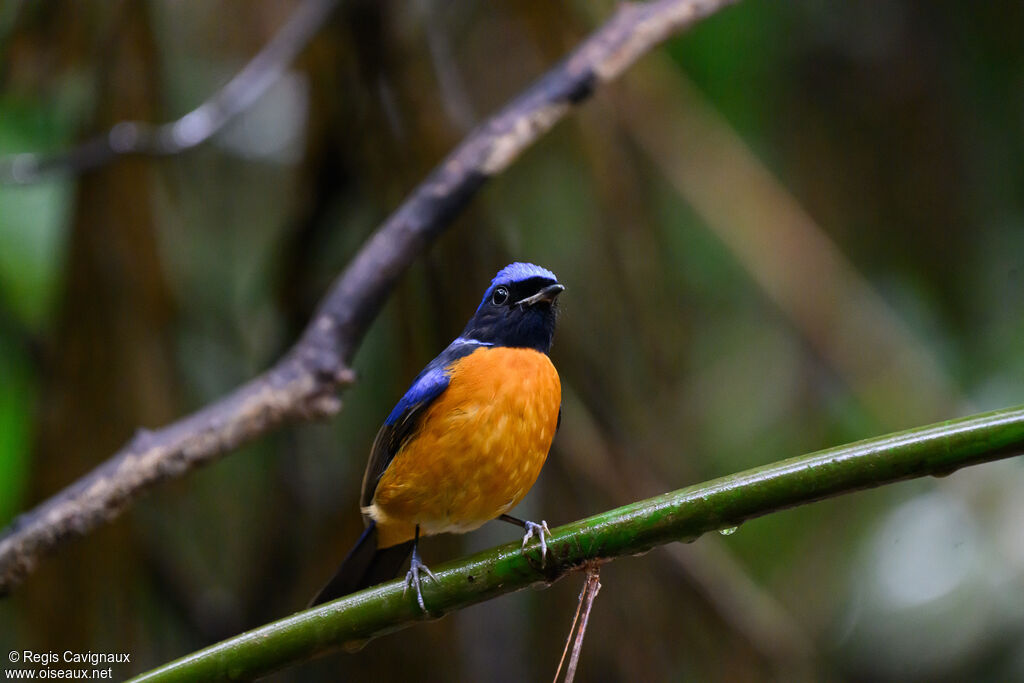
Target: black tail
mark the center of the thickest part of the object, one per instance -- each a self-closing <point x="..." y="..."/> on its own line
<point x="364" y="566"/>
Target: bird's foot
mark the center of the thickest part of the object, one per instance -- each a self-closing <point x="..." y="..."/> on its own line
<point x="542" y="531"/>
<point x="412" y="577"/>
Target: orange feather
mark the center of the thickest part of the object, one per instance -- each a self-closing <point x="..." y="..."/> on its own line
<point x="480" y="449"/>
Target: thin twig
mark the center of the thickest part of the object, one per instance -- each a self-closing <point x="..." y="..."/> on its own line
<point x="572" y="630"/>
<point x="194" y="128"/>
<point x="590" y="590"/>
<point x="303" y="384"/>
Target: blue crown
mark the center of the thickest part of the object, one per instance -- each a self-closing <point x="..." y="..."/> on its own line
<point x="516" y="272"/>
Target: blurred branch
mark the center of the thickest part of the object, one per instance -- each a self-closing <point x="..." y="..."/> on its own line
<point x="454" y="95"/>
<point x="709" y="566"/>
<point x="683" y="515"/>
<point x="303" y="384"/>
<point x="192" y="129"/>
<point x="799" y="267"/>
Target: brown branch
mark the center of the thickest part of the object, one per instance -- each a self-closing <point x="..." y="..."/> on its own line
<point x="138" y="138"/>
<point x="303" y="384"/>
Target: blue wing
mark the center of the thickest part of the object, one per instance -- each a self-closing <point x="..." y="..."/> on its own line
<point x="427" y="386"/>
<point x="405" y="418"/>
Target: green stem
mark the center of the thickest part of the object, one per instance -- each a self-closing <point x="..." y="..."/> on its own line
<point x="682" y="515"/>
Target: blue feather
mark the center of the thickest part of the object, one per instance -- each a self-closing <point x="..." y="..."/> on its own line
<point x="433" y="380"/>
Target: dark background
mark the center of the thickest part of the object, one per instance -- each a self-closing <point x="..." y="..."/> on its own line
<point x="796" y="226"/>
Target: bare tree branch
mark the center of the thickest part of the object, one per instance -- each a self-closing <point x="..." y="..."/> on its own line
<point x="303" y="384"/>
<point x="192" y="129"/>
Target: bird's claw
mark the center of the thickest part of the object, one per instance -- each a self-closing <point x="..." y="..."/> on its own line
<point x="412" y="578"/>
<point x="542" y="532"/>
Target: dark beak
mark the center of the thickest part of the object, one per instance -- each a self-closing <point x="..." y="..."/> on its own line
<point x="547" y="294"/>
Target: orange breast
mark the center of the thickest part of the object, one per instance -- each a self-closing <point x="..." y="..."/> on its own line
<point x="482" y="444"/>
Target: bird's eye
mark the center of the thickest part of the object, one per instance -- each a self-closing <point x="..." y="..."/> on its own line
<point x="500" y="296"/>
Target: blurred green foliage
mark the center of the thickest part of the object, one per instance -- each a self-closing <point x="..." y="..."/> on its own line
<point x="17" y="397"/>
<point x="34" y="218"/>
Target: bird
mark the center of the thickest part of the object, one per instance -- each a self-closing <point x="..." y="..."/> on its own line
<point x="468" y="439"/>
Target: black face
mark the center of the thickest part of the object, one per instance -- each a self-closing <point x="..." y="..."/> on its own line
<point x="505" y="319"/>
